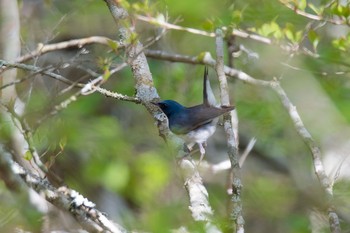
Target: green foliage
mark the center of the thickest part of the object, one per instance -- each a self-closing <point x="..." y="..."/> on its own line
<point x="152" y="174"/>
<point x="98" y="143"/>
<point x="340" y="10"/>
<point x="342" y="43"/>
<point x="314" y="38"/>
<point x="316" y="9"/>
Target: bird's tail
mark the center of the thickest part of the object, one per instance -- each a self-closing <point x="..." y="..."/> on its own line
<point x="208" y="95"/>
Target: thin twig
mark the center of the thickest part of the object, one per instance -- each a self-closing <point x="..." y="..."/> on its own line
<point x="312" y="16"/>
<point x="89" y="86"/>
<point x="236" y="32"/>
<point x="37" y="70"/>
<point x="45" y="48"/>
<point x="25" y="130"/>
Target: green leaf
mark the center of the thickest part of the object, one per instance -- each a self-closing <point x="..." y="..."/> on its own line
<point x="236" y="16"/>
<point x="342" y="43"/>
<point x="289" y="34"/>
<point x="302" y="4"/>
<point x="340" y="10"/>
<point x="28" y="155"/>
<point x="314" y="38"/>
<point x="113" y="44"/>
<point x="269" y="28"/>
<point x="106" y="74"/>
<point x="208" y="25"/>
<point x="318" y="11"/>
<point x="298" y="36"/>
<point x="63" y="143"/>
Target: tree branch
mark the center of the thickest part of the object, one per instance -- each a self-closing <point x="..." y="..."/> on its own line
<point x="312" y="16"/>
<point x="236" y="32"/>
<point x="232" y="136"/>
<point x="199" y="204"/>
<point x="293" y="114"/>
<point x="42" y="48"/>
<point x="79" y="207"/>
<point x="146" y="92"/>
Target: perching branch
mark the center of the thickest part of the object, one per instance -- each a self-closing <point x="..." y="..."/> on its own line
<point x="199" y="204"/>
<point x="146" y="92"/>
<point x="293" y="114"/>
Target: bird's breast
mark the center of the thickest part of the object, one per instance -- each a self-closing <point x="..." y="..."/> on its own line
<point x="201" y="134"/>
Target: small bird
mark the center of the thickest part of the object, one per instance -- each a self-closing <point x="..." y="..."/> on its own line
<point x="195" y="124"/>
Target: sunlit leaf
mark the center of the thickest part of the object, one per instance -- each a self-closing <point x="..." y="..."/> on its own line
<point x="208" y="25"/>
<point x="113" y="44"/>
<point x="269" y="28"/>
<point x="63" y="143"/>
<point x="289" y="34"/>
<point x="236" y="16"/>
<point x="342" y="43"/>
<point x="317" y="10"/>
<point x="314" y="38"/>
<point x="302" y="4"/>
<point x="28" y="155"/>
<point x="106" y="74"/>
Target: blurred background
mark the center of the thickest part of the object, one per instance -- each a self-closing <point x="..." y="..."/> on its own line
<point x="110" y="151"/>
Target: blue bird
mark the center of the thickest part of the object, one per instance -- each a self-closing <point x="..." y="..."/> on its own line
<point x="195" y="124"/>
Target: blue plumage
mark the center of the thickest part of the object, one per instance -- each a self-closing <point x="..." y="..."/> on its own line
<point x="194" y="124"/>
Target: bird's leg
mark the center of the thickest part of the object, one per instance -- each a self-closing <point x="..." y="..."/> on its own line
<point x="202" y="151"/>
<point x="190" y="146"/>
<point x="188" y="151"/>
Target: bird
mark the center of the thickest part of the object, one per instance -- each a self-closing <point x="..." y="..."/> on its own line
<point x="197" y="123"/>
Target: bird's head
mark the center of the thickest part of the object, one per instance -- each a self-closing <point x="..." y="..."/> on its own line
<point x="169" y="107"/>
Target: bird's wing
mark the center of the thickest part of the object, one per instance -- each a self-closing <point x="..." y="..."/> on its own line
<point x="195" y="117"/>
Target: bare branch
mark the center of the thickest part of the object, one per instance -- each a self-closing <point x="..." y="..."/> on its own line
<point x="80" y="208"/>
<point x="232" y="139"/>
<point x="246" y="152"/>
<point x="116" y="95"/>
<point x="311" y="16"/>
<point x="159" y="54"/>
<point x="315" y="152"/>
<point x="42" y="48"/>
<point x="25" y="130"/>
<point x="239" y="33"/>
<point x="36" y="70"/>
